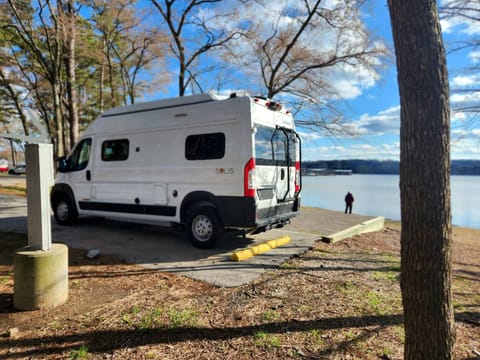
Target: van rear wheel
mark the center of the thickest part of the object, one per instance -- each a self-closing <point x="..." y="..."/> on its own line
<point x="64" y="211"/>
<point x="203" y="227"/>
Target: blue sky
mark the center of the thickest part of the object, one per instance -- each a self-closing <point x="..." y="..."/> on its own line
<point x="374" y="115"/>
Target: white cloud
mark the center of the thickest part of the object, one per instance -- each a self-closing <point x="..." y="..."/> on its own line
<point x="346" y="88"/>
<point x="465" y="81"/>
<point x="465" y="148"/>
<point x="458" y="116"/>
<point x="474" y="56"/>
<point x="310" y="136"/>
<point x="465" y="97"/>
<point x="353" y="151"/>
<point x="386" y="121"/>
<point x="461" y="148"/>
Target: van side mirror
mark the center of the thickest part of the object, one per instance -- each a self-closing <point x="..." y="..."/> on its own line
<point x="62" y="164"/>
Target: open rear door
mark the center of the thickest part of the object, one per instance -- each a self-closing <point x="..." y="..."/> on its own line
<point x="277" y="164"/>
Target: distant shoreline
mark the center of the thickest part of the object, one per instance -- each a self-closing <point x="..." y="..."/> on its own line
<point x="386" y="167"/>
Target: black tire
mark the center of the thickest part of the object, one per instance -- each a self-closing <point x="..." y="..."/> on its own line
<point x="64" y="210"/>
<point x="204" y="228"/>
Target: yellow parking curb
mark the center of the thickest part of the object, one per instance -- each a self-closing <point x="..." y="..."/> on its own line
<point x="260" y="248"/>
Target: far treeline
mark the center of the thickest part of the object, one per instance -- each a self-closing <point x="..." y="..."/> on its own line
<point x="458" y="167"/>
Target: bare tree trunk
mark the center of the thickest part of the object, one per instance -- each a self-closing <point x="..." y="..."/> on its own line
<point x="113" y="99"/>
<point x="424" y="180"/>
<point x="181" y="73"/>
<point x="101" y="101"/>
<point x="59" y="129"/>
<point x="69" y="58"/>
<point x="12" y="153"/>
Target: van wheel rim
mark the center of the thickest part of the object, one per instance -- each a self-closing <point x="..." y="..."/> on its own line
<point x="62" y="211"/>
<point x="202" y="228"/>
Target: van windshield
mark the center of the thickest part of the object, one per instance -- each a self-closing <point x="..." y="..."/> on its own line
<point x="274" y="146"/>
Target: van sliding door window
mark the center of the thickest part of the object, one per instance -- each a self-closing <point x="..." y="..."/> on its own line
<point x="115" y="150"/>
<point x="205" y="146"/>
<point x="79" y="158"/>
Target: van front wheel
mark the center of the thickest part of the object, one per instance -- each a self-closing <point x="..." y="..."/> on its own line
<point x="64" y="211"/>
<point x="204" y="227"/>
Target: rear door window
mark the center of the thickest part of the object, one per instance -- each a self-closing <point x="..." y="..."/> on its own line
<point x="270" y="146"/>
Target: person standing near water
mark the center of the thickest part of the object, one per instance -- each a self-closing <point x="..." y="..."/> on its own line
<point x="348" y="202"/>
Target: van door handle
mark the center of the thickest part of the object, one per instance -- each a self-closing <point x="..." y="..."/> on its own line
<point x="88" y="175"/>
<point x="282" y="174"/>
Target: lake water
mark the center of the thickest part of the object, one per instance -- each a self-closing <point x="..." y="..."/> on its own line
<point x="379" y="195"/>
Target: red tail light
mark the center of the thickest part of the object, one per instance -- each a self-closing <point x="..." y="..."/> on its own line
<point x="297" y="176"/>
<point x="249" y="178"/>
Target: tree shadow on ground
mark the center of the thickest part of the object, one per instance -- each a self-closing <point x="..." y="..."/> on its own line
<point x="110" y="340"/>
<point x="107" y="341"/>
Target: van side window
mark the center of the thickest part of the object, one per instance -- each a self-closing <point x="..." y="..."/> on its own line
<point x="78" y="160"/>
<point x="205" y="146"/>
<point x="115" y="150"/>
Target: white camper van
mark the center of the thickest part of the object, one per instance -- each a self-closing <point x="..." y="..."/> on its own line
<point x="202" y="163"/>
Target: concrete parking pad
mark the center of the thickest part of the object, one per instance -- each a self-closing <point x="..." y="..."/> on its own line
<point x="164" y="249"/>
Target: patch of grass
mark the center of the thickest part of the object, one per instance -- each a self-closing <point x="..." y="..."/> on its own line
<point x="76" y="283"/>
<point x="370" y="301"/>
<point x="80" y="353"/>
<point x="13" y="190"/>
<point x="386" y="352"/>
<point x="465" y="293"/>
<point x="271" y="315"/>
<point x="392" y="271"/>
<point x="315" y="336"/>
<point x="150" y="319"/>
<point x="383" y="304"/>
<point x="350" y="335"/>
<point x="55" y="325"/>
<point x="399" y="331"/>
<point x="135" y="309"/>
<point x="182" y="318"/>
<point x="263" y="339"/>
<point x="374" y="302"/>
<point x="348" y="288"/>
<point x="127" y="320"/>
<point x="391" y="274"/>
<point x="143" y="320"/>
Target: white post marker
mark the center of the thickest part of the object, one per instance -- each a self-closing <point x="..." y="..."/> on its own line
<point x="41" y="268"/>
<point x="39" y="182"/>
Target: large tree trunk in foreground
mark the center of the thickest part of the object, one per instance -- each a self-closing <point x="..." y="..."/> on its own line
<point x="424" y="180"/>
